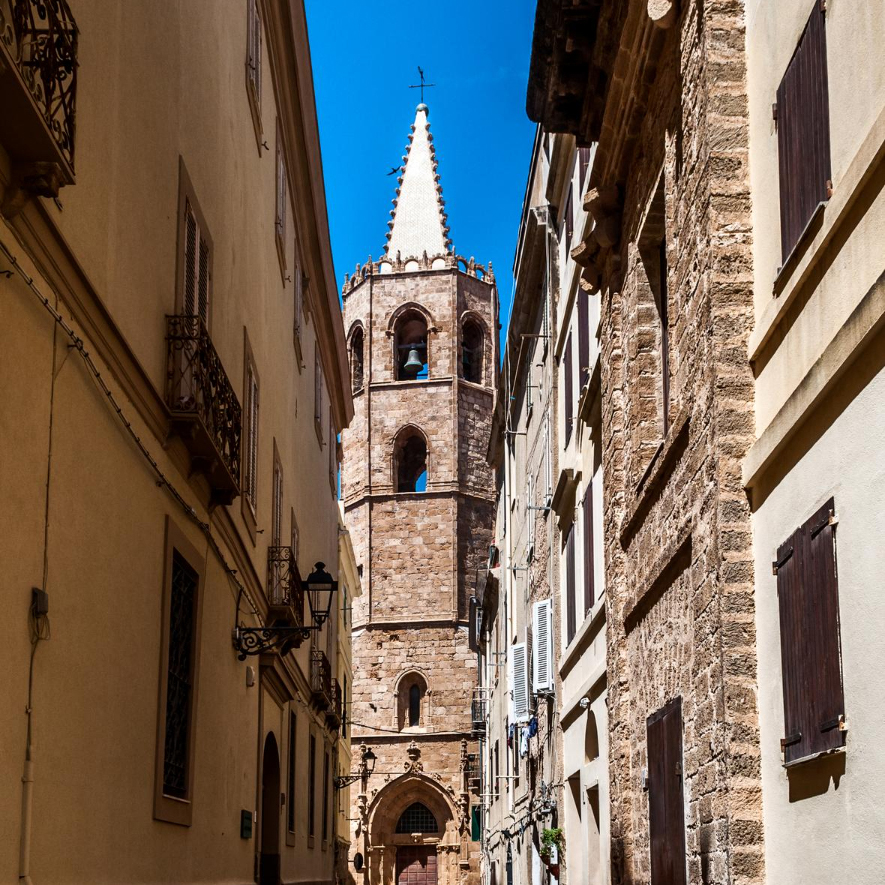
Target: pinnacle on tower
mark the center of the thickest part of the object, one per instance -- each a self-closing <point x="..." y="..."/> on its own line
<point x="419" y="223"/>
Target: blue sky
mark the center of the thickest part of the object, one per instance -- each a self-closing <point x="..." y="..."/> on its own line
<point x="365" y="54"/>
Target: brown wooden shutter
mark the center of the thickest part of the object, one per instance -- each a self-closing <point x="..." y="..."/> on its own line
<point x="571" y="620"/>
<point x="808" y="600"/>
<point x="587" y="516"/>
<point x="803" y="131"/>
<point x="568" y="393"/>
<point x="569" y="217"/>
<point x="190" y="260"/>
<point x="583" y="338"/>
<point x="666" y="811"/>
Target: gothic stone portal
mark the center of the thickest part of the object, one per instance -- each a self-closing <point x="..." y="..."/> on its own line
<point x="414" y="835"/>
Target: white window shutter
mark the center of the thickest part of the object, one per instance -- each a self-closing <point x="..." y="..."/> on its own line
<point x="542" y="630"/>
<point x="519" y="683"/>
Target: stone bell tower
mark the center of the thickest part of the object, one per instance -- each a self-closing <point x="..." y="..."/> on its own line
<point x="419" y="496"/>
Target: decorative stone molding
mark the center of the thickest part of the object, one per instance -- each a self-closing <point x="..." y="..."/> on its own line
<point x="663" y="12"/>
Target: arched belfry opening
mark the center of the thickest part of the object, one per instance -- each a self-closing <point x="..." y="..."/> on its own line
<point x="410" y="461"/>
<point x="410" y="346"/>
<point x="472" y="348"/>
<point x="357" y="359"/>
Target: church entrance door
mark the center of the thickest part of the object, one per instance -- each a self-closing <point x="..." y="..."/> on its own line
<point x="416" y="865"/>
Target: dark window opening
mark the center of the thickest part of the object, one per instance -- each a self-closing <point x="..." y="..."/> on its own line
<point x="414" y="705"/>
<point x="417" y="818"/>
<point x="356" y="359"/>
<point x="180" y="670"/>
<point x="472" y="344"/>
<point x="290" y="806"/>
<point x="311" y="784"/>
<point x="568" y="389"/>
<point x="410" y="343"/>
<point x="411" y="464"/>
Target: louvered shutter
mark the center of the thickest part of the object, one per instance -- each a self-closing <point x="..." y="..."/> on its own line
<point x="277" y="529"/>
<point x="808" y="602"/>
<point x="255" y="48"/>
<point x="196" y="266"/>
<point x="567" y="392"/>
<point x="803" y="131"/>
<point x="589" y="577"/>
<point x="570" y="614"/>
<point x="583" y="338"/>
<point x="666" y="809"/>
<point x="281" y="191"/>
<point x="252" y="441"/>
<point x="190" y="260"/>
<point x="542" y="657"/>
<point x="519" y="688"/>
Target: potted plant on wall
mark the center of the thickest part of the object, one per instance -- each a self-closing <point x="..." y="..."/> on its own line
<point x="552" y="843"/>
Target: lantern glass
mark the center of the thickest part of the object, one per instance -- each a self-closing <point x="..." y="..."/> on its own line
<point x="320" y="588"/>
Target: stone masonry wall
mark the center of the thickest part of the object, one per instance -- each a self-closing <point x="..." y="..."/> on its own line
<point x="678" y="550"/>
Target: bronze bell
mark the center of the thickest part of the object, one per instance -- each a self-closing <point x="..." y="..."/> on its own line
<point x="414" y="364"/>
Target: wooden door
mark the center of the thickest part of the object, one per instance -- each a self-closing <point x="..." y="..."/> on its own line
<point x="415" y="865"/>
<point x="665" y="800"/>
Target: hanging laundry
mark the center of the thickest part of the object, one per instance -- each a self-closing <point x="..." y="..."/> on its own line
<point x="533" y="726"/>
<point x="524" y="741"/>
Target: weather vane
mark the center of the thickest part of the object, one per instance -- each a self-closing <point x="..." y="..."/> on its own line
<point x="422" y="85"/>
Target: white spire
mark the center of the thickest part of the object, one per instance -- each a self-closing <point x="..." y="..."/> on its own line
<point x="419" y="218"/>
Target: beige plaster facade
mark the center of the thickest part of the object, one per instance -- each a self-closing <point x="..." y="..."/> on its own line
<point x="134" y="527"/>
<point x="818" y="355"/>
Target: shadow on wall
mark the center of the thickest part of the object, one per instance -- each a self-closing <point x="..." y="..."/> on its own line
<point x="813" y="778"/>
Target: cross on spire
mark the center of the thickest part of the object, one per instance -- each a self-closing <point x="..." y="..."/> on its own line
<point x="422" y="85"/>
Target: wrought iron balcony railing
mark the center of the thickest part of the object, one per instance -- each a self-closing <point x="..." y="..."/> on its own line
<point x="320" y="678"/>
<point x="333" y="714"/>
<point x="38" y="89"/>
<point x="204" y="408"/>
<point x="478" y="711"/>
<point x="285" y="592"/>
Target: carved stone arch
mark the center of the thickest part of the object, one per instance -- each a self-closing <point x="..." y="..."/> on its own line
<point x="405" y="307"/>
<point x="398" y="445"/>
<point x="395" y="797"/>
<point x="402" y="696"/>
<point x="471" y="317"/>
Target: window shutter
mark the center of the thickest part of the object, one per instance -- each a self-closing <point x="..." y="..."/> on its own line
<point x="808" y="601"/>
<point x="589" y="577"/>
<point x="583" y="337"/>
<point x="803" y="131"/>
<point x="299" y="296"/>
<point x="203" y="282"/>
<point x="542" y="631"/>
<point x="571" y="620"/>
<point x="190" y="260"/>
<point x="666" y="809"/>
<point x="255" y="47"/>
<point x="567" y="388"/>
<point x="519" y="689"/>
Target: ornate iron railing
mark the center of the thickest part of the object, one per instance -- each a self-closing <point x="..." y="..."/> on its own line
<point x="41" y="38"/>
<point x="320" y="677"/>
<point x="198" y="389"/>
<point x="333" y="716"/>
<point x="478" y="711"/>
<point x="284" y="586"/>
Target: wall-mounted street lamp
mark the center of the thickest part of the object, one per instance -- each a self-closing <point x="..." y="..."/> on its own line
<point x="367" y="766"/>
<point x="283" y="636"/>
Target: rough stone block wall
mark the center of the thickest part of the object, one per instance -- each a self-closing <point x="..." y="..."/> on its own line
<point x="419" y="550"/>
<point x="678" y="547"/>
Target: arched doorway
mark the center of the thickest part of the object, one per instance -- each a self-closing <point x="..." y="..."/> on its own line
<point x="414" y="834"/>
<point x="269" y="864"/>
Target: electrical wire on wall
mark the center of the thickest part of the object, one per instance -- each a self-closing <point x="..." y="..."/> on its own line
<point x="162" y="480"/>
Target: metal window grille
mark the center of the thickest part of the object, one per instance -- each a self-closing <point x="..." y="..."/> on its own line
<point x="179" y="678"/>
<point x="417" y="818"/>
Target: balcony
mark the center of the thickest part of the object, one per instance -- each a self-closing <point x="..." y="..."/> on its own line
<point x="320" y="678"/>
<point x="285" y="593"/>
<point x="333" y="714"/>
<point x="204" y="409"/>
<point x="38" y="88"/>
<point x="478" y="711"/>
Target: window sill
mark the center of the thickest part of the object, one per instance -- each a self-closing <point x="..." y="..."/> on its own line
<point x="805" y="760"/>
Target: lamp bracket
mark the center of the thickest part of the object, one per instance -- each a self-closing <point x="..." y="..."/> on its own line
<point x="259" y="640"/>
